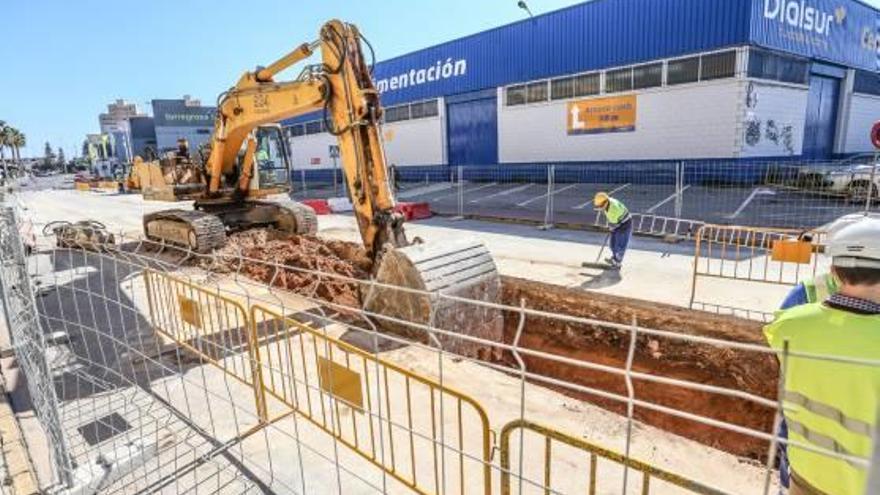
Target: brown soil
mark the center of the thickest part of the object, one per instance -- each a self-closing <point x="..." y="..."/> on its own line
<point x="740" y="370"/>
<point x="305" y="252"/>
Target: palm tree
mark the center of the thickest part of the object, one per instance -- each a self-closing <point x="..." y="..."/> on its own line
<point x="3" y="128"/>
<point x="7" y="136"/>
<point x="19" y="141"/>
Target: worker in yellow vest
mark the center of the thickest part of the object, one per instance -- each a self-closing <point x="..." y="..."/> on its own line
<point x="620" y="223"/>
<point x="831" y="405"/>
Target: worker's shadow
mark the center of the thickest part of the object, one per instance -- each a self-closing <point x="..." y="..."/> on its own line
<point x="599" y="279"/>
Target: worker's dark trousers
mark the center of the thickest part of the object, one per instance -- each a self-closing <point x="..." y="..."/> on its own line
<point x="620" y="240"/>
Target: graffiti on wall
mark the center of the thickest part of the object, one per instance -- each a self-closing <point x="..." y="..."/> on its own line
<point x="764" y="132"/>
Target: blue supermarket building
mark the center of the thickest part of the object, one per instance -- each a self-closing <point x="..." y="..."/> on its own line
<point x="632" y="80"/>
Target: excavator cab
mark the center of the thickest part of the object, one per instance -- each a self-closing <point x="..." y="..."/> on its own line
<point x="271" y="159"/>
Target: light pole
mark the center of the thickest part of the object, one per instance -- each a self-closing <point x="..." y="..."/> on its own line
<point x="522" y="4"/>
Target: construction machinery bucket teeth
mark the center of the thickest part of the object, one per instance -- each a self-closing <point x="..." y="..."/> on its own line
<point x="197" y="230"/>
<point x="294" y="217"/>
<point x="461" y="269"/>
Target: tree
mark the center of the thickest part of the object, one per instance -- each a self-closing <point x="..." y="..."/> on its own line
<point x="19" y="141"/>
<point x="2" y="145"/>
<point x="7" y="136"/>
<point x="48" y="155"/>
<point x="62" y="162"/>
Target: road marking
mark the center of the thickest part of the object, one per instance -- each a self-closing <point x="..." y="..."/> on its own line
<point x="484" y="186"/>
<point x="755" y="192"/>
<point x="590" y="202"/>
<point x="419" y="191"/>
<point x="670" y="198"/>
<point x="545" y="195"/>
<point x="503" y="193"/>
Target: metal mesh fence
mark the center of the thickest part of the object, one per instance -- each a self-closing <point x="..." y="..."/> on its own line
<point x="174" y="372"/>
<point x="666" y="197"/>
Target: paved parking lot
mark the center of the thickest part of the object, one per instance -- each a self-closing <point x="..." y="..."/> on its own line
<point x="755" y="206"/>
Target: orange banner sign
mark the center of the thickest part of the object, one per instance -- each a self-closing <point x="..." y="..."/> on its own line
<point x="599" y="115"/>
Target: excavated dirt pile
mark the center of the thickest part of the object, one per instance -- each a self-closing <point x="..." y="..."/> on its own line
<point x="304" y="252"/>
<point x="700" y="363"/>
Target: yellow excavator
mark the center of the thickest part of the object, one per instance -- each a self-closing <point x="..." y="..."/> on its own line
<point x="248" y="163"/>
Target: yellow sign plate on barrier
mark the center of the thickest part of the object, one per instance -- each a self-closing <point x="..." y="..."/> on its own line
<point x="189" y="311"/>
<point x="792" y="251"/>
<point x="341" y="382"/>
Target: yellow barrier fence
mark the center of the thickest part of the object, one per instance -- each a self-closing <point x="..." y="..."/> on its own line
<point x="214" y="327"/>
<point x="750" y="254"/>
<point x="426" y="435"/>
<point x="583" y="458"/>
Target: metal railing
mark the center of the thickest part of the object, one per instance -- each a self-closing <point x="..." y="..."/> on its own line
<point x="666" y="197"/>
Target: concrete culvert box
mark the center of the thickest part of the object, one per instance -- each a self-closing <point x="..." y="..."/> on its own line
<point x="463" y="269"/>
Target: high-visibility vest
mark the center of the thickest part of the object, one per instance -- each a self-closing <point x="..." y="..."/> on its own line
<point x="617" y="212"/>
<point x="829" y="405"/>
<point x="822" y="287"/>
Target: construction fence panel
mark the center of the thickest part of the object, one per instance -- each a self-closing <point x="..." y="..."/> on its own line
<point x="538" y="459"/>
<point x="784" y="257"/>
<point x="28" y="341"/>
<point x="666" y="197"/>
<point x="426" y="435"/>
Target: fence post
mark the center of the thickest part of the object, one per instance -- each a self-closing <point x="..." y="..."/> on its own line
<point x="460" y="172"/>
<point x="679" y="188"/>
<point x="548" y="209"/>
<point x="872" y="184"/>
<point x="302" y="175"/>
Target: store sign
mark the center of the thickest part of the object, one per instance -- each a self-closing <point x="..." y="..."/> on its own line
<point x="600" y="115"/>
<point x="841" y="31"/>
<point x="174" y="113"/>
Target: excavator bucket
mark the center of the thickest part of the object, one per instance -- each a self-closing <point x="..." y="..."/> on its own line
<point x="459" y="269"/>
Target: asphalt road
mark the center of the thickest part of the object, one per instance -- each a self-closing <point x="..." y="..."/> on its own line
<point x="754" y="206"/>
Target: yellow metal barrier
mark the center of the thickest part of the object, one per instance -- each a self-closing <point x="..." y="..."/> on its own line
<point x="209" y="325"/>
<point x="569" y="473"/>
<point x="750" y="254"/>
<point x="82" y="186"/>
<point x="424" y="434"/>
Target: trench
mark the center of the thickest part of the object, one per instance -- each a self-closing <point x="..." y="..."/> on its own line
<point x="746" y="371"/>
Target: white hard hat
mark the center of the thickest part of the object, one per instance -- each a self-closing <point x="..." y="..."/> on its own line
<point x="847" y="220"/>
<point x="856" y="245"/>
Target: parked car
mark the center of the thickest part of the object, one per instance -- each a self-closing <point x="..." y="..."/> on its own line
<point x="855" y="182"/>
<point x="815" y="176"/>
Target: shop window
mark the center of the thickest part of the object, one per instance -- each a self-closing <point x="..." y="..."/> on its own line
<point x="516" y="95"/>
<point x="867" y="83"/>
<point x="296" y="130"/>
<point x="424" y="109"/>
<point x="562" y="88"/>
<point x="396" y="114"/>
<point x="536" y="92"/>
<point x="618" y="80"/>
<point x="767" y="65"/>
<point x="314" y="127"/>
<point x="718" y="65"/>
<point x="648" y="76"/>
<point x="683" y="70"/>
<point x="587" y="84"/>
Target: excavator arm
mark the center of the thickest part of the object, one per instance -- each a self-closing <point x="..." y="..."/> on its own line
<point x="342" y="88"/>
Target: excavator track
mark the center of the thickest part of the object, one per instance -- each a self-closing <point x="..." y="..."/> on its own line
<point x="305" y="221"/>
<point x="197" y="230"/>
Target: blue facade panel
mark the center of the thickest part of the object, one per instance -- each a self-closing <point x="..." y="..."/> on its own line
<point x="821" y="120"/>
<point x="839" y="31"/>
<point x="472" y="130"/>
<point x="588" y="36"/>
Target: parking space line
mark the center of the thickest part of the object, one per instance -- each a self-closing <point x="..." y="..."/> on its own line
<point x="755" y="192"/>
<point x="670" y="198"/>
<point x="422" y="190"/>
<point x="503" y="193"/>
<point x="590" y="202"/>
<point x="484" y="186"/>
<point x="557" y="191"/>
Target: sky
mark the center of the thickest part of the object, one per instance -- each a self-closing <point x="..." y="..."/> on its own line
<point x="63" y="61"/>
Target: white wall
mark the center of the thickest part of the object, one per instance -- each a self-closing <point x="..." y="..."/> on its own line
<point x="774" y="123"/>
<point x="864" y="111"/>
<point x="685" y="121"/>
<point x="409" y="142"/>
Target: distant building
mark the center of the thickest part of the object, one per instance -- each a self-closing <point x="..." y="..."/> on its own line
<point x="115" y="124"/>
<point x="185" y="118"/>
<point x="142" y="131"/>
